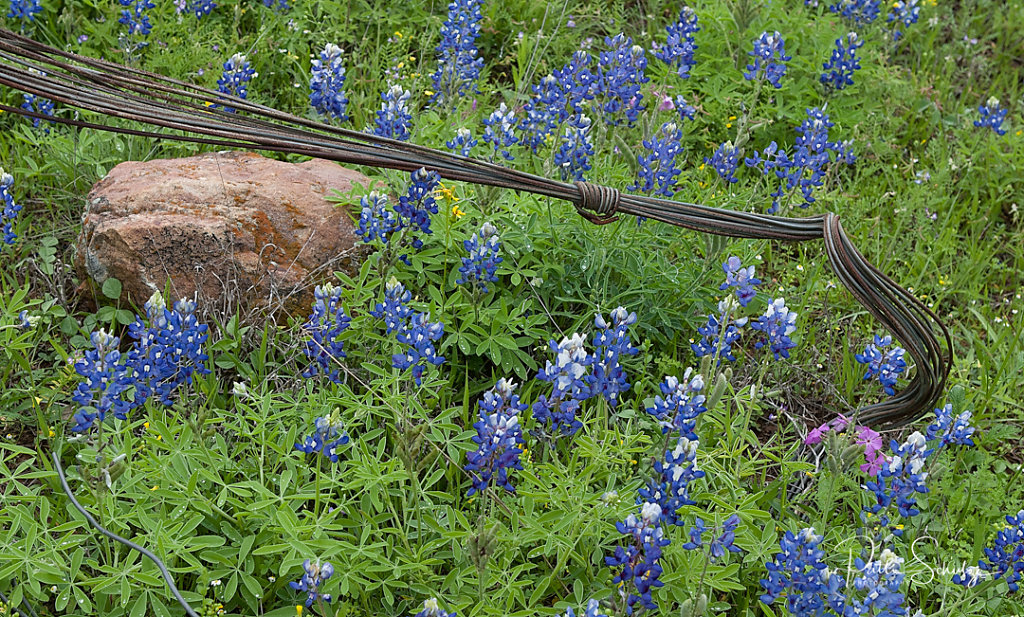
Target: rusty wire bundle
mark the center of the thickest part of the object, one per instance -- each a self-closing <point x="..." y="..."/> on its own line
<point x="191" y="114"/>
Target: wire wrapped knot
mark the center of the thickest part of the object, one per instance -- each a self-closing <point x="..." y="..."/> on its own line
<point x="597" y="203"/>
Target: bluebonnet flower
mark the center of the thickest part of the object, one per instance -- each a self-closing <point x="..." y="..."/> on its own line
<point x="721" y="543"/>
<point x="992" y="116"/>
<point x="857" y="11"/>
<point x="769" y="55"/>
<point x="39" y="105"/>
<point x="431" y="609"/>
<point x="679" y="404"/>
<point x="724" y="161"/>
<point x="777" y="323"/>
<point x="685" y="110"/>
<point x="905" y="13"/>
<point x="578" y="81"/>
<point x="544" y="112"/>
<point x="278" y="5"/>
<point x="327" y="437"/>
<point x="168" y="350"/>
<point x="482" y="264"/>
<point x="741" y="278"/>
<point x="314" y="574"/>
<point x="394" y="310"/>
<point x="949" y="429"/>
<point x="1005" y="556"/>
<point x="10" y="209"/>
<point x="671" y="488"/>
<point x="135" y="17"/>
<point x="611" y="342"/>
<point x="326" y="84"/>
<point x="393" y="118"/>
<point x="324" y="326"/>
<point x="657" y="170"/>
<point x="843" y="63"/>
<point x="573" y="156"/>
<point x="720" y="332"/>
<point x="570" y="386"/>
<point x="805" y="168"/>
<point x="25" y="321"/>
<point x="415" y="207"/>
<point x="235" y="78"/>
<point x="376" y="219"/>
<point x="201" y="8"/>
<point x="898" y="482"/>
<point x="592" y="610"/>
<point x="25" y="10"/>
<point x="499" y="132"/>
<point x="499" y="439"/>
<point x="419" y="334"/>
<point x="458" y="66"/>
<point x="636" y="565"/>
<point x="887" y="366"/>
<point x="106" y="379"/>
<point x="678" y="49"/>
<point x="880" y="582"/>
<point x="620" y="75"/>
<point x="463" y="142"/>
<point x="798" y="573"/>
<point x="970" y="577"/>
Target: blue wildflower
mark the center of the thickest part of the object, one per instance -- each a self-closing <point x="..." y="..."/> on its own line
<point x="135" y="17"/>
<point x="10" y="209"/>
<point x="277" y="5"/>
<point x="992" y="116"/>
<point x="393" y="118"/>
<point x="592" y="610"/>
<point x="544" y="112"/>
<point x="326" y="84"/>
<point x="686" y="111"/>
<point x="577" y="81"/>
<point x="769" y="55"/>
<point x="463" y="142"/>
<point x="376" y="219"/>
<point x="573" y="156"/>
<point x="314" y="574"/>
<point x="741" y="278"/>
<point x="971" y="576"/>
<point x="570" y="386"/>
<point x="719" y="333"/>
<point x="898" y="481"/>
<point x="798" y="573"/>
<point x="724" y="161"/>
<point x="419" y="334"/>
<point x="40" y="105"/>
<point x="499" y="132"/>
<point x="431" y="609"/>
<point x="905" y="13"/>
<point x="482" y="264"/>
<point x="106" y="378"/>
<point x="1006" y="555"/>
<point x="235" y="78"/>
<point x="25" y="321"/>
<point x="720" y="544"/>
<point x="25" y="10"/>
<point x="949" y="429"/>
<point x="394" y="310"/>
<point x="168" y="350"/>
<point x="324" y="326"/>
<point x="657" y="170"/>
<point x="843" y="63"/>
<point x="499" y="439"/>
<point x="857" y="11"/>
<point x="777" y="323"/>
<point x="415" y="207"/>
<point x="327" y="437"/>
<point x="201" y="8"/>
<point x="636" y="566"/>
<point x="671" y="488"/>
<point x="458" y="66"/>
<point x="886" y="367"/>
<point x="679" y="404"/>
<point x="678" y="49"/>
<point x="880" y="582"/>
<point x="620" y="75"/>
<point x="611" y="342"/>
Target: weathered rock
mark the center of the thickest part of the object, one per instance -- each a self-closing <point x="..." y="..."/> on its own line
<point x="237" y="230"/>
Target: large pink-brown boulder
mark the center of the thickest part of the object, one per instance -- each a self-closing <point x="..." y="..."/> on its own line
<point x="235" y="229"/>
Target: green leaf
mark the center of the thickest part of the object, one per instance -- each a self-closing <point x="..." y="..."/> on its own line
<point x="112" y="288"/>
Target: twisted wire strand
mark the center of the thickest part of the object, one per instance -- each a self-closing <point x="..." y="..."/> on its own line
<point x="181" y="111"/>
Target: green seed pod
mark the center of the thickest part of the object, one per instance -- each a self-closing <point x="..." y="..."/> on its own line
<point x="701" y="606"/>
<point x="687" y="609"/>
<point x="716" y="393"/>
